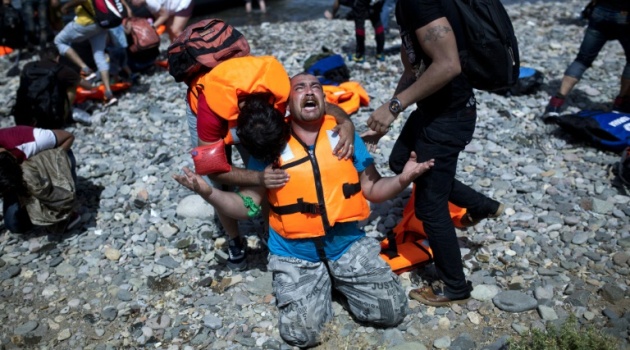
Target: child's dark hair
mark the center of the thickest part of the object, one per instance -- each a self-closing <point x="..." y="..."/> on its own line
<point x="11" y="181"/>
<point x="262" y="129"/>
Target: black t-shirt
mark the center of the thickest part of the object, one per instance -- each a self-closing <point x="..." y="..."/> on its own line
<point x="618" y="5"/>
<point x="414" y="14"/>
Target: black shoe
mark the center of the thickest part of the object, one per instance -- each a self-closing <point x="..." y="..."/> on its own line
<point x="236" y="251"/>
<point x="469" y="219"/>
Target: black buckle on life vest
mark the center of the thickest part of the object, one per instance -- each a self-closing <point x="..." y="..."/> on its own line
<point x="309" y="208"/>
<point x="300" y="207"/>
<point x="351" y="189"/>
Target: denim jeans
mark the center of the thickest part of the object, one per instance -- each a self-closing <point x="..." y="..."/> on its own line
<point x="74" y="33"/>
<point x="442" y="138"/>
<point x="604" y="25"/>
<point x="28" y="14"/>
<point x="16" y="217"/>
<point x="388" y="6"/>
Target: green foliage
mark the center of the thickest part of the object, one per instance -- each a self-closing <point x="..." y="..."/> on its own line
<point x="571" y="336"/>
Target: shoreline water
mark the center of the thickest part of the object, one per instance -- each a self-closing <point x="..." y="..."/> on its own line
<point x="291" y="11"/>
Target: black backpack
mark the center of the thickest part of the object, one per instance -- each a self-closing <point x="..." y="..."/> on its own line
<point x="41" y="100"/>
<point x="488" y="49"/>
<point x="107" y="13"/>
<point x="11" y="28"/>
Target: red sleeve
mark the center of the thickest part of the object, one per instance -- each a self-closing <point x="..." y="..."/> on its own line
<point x="210" y="127"/>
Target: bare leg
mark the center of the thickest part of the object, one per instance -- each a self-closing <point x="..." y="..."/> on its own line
<point x="567" y="84"/>
<point x="177" y="25"/>
<point x="263" y="8"/>
<point x="248" y="7"/>
<point x="229" y="224"/>
<point x="75" y="58"/>
<point x="105" y="79"/>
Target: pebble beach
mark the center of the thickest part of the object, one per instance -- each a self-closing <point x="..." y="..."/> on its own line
<point x="145" y="268"/>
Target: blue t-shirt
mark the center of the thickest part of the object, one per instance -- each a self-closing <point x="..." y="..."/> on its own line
<point x="338" y="239"/>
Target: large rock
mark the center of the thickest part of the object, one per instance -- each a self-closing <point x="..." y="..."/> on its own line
<point x="194" y="206"/>
<point x="514" y="301"/>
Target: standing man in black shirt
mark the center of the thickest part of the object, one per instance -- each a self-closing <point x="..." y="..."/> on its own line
<point x="440" y="127"/>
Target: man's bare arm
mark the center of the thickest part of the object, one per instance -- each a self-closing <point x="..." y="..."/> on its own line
<point x="64" y="139"/>
<point x="228" y="203"/>
<point x="438" y="42"/>
<point x="237" y="176"/>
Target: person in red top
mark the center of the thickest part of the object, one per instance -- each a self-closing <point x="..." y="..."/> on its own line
<point x="17" y="145"/>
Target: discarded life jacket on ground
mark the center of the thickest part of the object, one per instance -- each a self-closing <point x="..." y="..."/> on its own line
<point x="99" y="92"/>
<point x="349" y="96"/>
<point x="5" y="50"/>
<point x="295" y="210"/>
<point x="604" y="130"/>
<point x="407" y="246"/>
<point x="237" y="77"/>
<point x="329" y="68"/>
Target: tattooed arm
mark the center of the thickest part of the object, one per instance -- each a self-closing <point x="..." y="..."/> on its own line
<point x="438" y="42"/>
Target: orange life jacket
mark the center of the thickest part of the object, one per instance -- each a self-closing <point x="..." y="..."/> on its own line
<point x="239" y="77"/>
<point x="99" y="92"/>
<point x="322" y="189"/>
<point x="349" y="96"/>
<point x="411" y="248"/>
<point x="5" y="50"/>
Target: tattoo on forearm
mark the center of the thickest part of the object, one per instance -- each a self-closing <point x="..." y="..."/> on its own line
<point x="437" y="33"/>
<point x="405" y="81"/>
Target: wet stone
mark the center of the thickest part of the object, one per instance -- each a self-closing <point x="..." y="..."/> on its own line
<point x="26" y="328"/>
<point x="10" y="272"/>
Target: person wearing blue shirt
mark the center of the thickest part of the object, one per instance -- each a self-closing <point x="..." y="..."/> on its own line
<point x="315" y="247"/>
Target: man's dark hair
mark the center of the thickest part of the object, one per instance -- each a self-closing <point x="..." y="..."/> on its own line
<point x="261" y="128"/>
<point x="50" y="52"/>
<point x="11" y="181"/>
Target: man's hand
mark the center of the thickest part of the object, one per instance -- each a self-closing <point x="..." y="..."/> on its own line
<point x="371" y="138"/>
<point x="381" y="119"/>
<point x="274" y="178"/>
<point x="413" y="169"/>
<point x="345" y="129"/>
<point x="193" y="182"/>
<point x="345" y="146"/>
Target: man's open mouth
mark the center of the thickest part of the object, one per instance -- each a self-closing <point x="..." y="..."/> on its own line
<point x="310" y="105"/>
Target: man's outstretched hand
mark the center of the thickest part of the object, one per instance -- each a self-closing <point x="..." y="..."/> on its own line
<point x="413" y="169"/>
<point x="193" y="182"/>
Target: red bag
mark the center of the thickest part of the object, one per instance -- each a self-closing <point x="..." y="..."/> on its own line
<point x="143" y="34"/>
<point x="205" y="43"/>
<point x="210" y="159"/>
